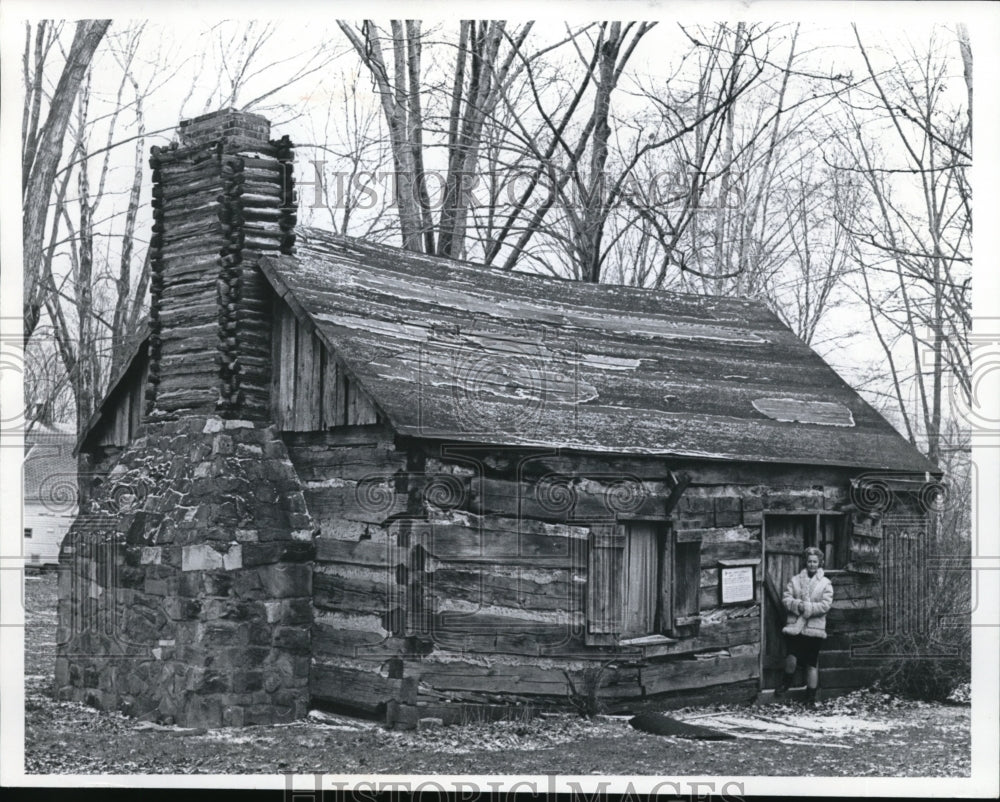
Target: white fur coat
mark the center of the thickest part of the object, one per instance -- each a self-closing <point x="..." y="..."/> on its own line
<point x="816" y="595"/>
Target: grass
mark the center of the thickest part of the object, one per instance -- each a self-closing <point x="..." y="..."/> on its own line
<point x="923" y="739"/>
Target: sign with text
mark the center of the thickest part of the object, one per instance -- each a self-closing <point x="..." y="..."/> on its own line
<point x="737" y="584"/>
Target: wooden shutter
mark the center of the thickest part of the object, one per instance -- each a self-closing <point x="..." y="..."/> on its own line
<point x="665" y="621"/>
<point x="687" y="583"/>
<point x="604" y="589"/>
<point x="641" y="578"/>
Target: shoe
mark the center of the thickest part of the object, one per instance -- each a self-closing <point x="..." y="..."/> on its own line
<point x="810" y="697"/>
<point x="786" y="683"/>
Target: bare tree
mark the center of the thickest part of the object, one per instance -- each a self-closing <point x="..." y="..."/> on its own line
<point x="91" y="307"/>
<point x="43" y="143"/>
<point x="570" y="152"/>
<point x="251" y="53"/>
<point x="351" y="159"/>
<point x="478" y="75"/>
<point x="703" y="199"/>
<point x="914" y="251"/>
<point x="826" y="204"/>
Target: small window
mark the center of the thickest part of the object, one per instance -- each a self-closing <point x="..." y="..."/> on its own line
<point x="791" y="534"/>
<point x="27" y="532"/>
<point x="831" y="539"/>
<point x="643" y="581"/>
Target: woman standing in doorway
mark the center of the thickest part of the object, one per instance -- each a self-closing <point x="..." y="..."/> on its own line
<point x="807" y="599"/>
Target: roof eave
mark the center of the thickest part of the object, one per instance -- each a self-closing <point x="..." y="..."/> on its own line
<point x="919" y="466"/>
<point x="94" y="419"/>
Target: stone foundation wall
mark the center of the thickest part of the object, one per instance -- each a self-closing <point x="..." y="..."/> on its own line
<point x="186" y="586"/>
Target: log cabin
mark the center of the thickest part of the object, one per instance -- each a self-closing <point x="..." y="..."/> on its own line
<point x="339" y="473"/>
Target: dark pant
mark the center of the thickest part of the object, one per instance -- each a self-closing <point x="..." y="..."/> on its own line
<point x="805" y="649"/>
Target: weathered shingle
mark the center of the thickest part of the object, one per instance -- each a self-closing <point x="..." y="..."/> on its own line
<point x="458" y="351"/>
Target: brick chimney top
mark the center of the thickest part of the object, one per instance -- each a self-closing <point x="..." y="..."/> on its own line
<point x="236" y="130"/>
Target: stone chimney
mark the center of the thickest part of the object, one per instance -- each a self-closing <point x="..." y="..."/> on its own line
<point x="185" y="585"/>
<point x="222" y="196"/>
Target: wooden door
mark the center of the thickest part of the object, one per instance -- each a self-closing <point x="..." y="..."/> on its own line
<point x="785" y="537"/>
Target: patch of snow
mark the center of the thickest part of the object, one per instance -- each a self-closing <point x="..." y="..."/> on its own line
<point x="838" y="725"/>
<point x="237" y="736"/>
<point x="778" y="725"/>
<point x="331" y="721"/>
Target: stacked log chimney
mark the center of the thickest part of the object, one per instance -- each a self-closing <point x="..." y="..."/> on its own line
<point x="221" y="196"/>
<point x="185" y="587"/>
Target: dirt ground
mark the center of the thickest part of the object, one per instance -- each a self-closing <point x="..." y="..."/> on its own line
<point x="867" y="733"/>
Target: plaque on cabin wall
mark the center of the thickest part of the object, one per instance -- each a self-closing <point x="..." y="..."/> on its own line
<point x="737" y="581"/>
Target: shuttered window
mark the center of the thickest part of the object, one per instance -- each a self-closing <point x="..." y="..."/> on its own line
<point x="831" y="539"/>
<point x="643" y="579"/>
<point x="790" y="534"/>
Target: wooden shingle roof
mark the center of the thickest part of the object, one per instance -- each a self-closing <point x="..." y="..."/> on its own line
<point x="458" y="351"/>
<point x="50" y="467"/>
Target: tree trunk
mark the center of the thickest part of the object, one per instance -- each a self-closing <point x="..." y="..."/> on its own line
<point x="963" y="44"/>
<point x="594" y="212"/>
<point x="87" y="367"/>
<point x="121" y="330"/>
<point x="41" y="176"/>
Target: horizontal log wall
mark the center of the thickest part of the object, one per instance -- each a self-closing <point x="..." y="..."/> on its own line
<point x="504" y="580"/>
<point x="471" y="569"/>
<point x="350" y="477"/>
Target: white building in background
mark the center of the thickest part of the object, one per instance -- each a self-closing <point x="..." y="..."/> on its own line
<point x="50" y="491"/>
